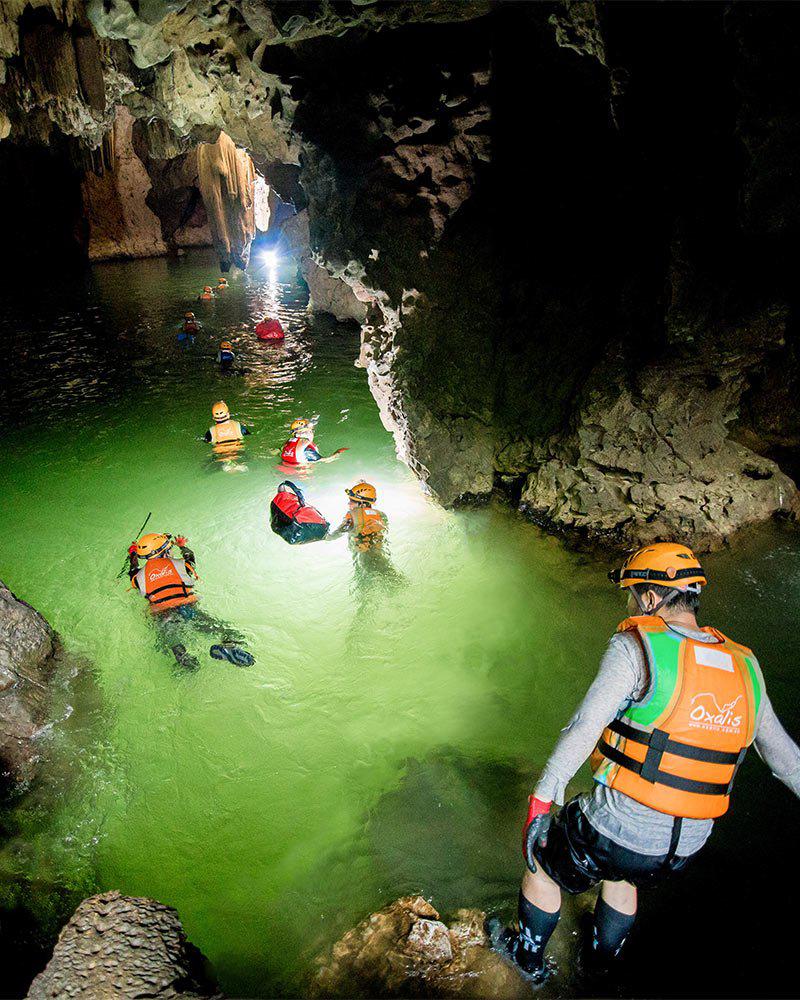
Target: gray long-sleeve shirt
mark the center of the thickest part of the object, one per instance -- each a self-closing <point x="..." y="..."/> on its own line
<point x="624" y="678"/>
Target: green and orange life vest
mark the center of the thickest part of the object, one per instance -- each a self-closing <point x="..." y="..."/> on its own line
<point x="678" y="750"/>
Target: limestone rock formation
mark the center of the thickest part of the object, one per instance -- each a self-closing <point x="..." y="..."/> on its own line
<point x="227" y="182"/>
<point x="121" y="223"/>
<point x="120" y="946"/>
<point x="27" y="648"/>
<point x="650" y="457"/>
<point x="407" y="950"/>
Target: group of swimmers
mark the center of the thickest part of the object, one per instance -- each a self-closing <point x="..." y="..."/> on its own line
<point x="269" y="329"/>
<point x="167" y="578"/>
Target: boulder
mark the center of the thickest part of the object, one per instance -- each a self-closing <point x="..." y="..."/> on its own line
<point x="27" y="648"/>
<point x="651" y="458"/>
<point x="406" y="950"/>
<point x="121" y="946"/>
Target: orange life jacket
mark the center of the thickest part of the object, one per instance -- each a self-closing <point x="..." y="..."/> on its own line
<point x="368" y="528"/>
<point x="228" y="430"/>
<point x="205" y="296"/>
<point x="163" y="586"/>
<point x="678" y="750"/>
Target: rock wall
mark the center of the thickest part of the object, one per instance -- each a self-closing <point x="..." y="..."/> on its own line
<point x="27" y="648"/>
<point x="121" y="223"/>
<point x="121" y="946"/>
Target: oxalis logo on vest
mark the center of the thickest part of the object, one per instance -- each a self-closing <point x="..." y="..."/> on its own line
<point x="160" y="574"/>
<point x="707" y="713"/>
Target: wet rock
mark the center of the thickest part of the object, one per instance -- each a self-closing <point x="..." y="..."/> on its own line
<point x="122" y="946"/>
<point x="407" y="950"/>
<point x="27" y="649"/>
<point x="121" y="223"/>
<point x="227" y="182"/>
<point x="650" y="457"/>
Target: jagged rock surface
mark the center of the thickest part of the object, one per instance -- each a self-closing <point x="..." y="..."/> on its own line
<point x="121" y="223"/>
<point x="407" y="950"/>
<point x="121" y="946"/>
<point x="650" y="457"/>
<point x="27" y="648"/>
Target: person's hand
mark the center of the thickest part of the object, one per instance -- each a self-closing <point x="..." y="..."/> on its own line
<point x="132" y="549"/>
<point x="534" y="833"/>
<point x="180" y="541"/>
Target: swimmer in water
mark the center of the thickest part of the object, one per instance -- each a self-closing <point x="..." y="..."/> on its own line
<point x="364" y="524"/>
<point x="301" y="449"/>
<point x="206" y="295"/>
<point x="168" y="584"/>
<point x="226" y="434"/>
<point x="225" y="356"/>
<point x="222" y="284"/>
<point x="188" y="329"/>
<point x="670" y="715"/>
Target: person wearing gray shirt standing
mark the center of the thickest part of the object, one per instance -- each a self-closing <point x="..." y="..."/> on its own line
<point x="666" y="722"/>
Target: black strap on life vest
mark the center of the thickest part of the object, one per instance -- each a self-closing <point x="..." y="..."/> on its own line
<point x="658" y="743"/>
<point x="181" y="587"/>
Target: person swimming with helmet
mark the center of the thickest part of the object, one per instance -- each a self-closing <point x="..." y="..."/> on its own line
<point x="168" y="584"/>
<point x="206" y="295"/>
<point x="301" y="449"/>
<point x="225" y="356"/>
<point x="188" y="329"/>
<point x="226" y="434"/>
<point x="222" y="284"/>
<point x="365" y="525"/>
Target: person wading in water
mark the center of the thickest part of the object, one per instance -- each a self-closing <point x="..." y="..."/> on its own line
<point x="667" y="721"/>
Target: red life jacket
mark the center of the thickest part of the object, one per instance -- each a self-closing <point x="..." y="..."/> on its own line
<point x="163" y="586"/>
<point x="190" y="326"/>
<point x="294" y="451"/>
<point x="271" y="330"/>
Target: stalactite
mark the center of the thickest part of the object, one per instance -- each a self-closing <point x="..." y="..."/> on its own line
<point x="227" y="183"/>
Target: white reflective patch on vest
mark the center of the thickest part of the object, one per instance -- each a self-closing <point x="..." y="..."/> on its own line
<point x="710" y="657"/>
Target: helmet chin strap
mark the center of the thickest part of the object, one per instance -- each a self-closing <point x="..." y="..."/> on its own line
<point x="661" y="604"/>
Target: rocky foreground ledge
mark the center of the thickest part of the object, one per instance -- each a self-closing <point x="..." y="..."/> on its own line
<point x="28" y="648"/>
<point x="123" y="947"/>
<point x="406" y="950"/>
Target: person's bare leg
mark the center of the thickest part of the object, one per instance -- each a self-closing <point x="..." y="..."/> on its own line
<point x="621" y="895"/>
<point x="542" y="891"/>
<point x="614" y="915"/>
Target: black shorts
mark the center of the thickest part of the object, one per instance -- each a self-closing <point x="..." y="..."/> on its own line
<point x="577" y="857"/>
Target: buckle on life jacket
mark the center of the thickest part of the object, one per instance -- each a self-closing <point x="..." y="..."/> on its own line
<point x="658" y="743"/>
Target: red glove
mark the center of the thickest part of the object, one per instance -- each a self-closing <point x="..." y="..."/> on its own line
<point x="132" y="549"/>
<point x="180" y="541"/>
<point x="534" y="833"/>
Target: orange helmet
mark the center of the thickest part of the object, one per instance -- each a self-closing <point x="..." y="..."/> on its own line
<point x="220" y="412"/>
<point x="362" y="492"/>
<point x="207" y="288"/>
<point x="226" y="345"/>
<point x="664" y="563"/>
<point x="300" y="422"/>
<point x="153" y="544"/>
<point x="188" y="315"/>
<point x="222" y="281"/>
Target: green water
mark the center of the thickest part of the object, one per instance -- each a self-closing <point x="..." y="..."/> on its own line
<point x="386" y="738"/>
